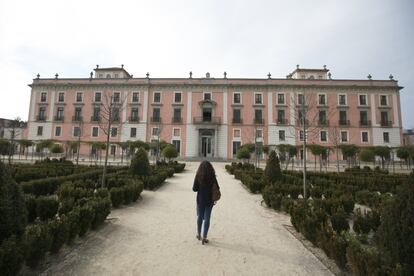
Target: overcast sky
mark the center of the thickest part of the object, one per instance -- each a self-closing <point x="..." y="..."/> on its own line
<point x="353" y="38"/>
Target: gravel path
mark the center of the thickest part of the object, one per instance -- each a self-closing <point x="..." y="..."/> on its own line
<point x="156" y="236"/>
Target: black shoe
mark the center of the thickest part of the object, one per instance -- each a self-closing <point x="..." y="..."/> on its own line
<point x="198" y="237"/>
<point x="204" y="241"/>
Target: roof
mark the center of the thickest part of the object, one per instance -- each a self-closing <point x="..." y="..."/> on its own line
<point x="112" y="69"/>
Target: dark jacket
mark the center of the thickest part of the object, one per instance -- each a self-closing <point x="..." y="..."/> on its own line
<point x="204" y="193"/>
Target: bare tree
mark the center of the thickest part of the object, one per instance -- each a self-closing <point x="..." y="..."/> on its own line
<point x="14" y="130"/>
<point x="110" y="115"/>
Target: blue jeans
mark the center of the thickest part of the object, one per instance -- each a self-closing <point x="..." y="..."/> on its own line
<point x="203" y="213"/>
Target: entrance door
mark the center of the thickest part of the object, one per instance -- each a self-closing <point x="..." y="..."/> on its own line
<point x="206" y="146"/>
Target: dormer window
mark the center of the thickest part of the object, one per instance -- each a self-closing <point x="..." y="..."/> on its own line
<point x="108" y="76"/>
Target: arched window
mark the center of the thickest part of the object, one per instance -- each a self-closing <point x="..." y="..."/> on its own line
<point x="108" y="76"/>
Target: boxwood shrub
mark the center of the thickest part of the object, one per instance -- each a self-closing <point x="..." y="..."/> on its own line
<point x="46" y="207"/>
<point x="11" y="256"/>
<point x="37" y="241"/>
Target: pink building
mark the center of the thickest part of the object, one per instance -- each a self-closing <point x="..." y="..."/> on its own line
<point x="212" y="117"/>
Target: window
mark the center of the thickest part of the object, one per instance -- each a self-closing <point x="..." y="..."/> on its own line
<point x="384" y="118"/>
<point x="258" y="98"/>
<point x="301" y="99"/>
<point x="79" y="97"/>
<point x="259" y="133"/>
<point x="344" y="136"/>
<point x="108" y="76"/>
<point x="135" y="97"/>
<point x="282" y="135"/>
<point x="59" y="113"/>
<point x="258" y="114"/>
<point x="322" y="117"/>
<point x="113" y="149"/>
<point x="362" y="99"/>
<point x="281" y="116"/>
<point x="207" y="96"/>
<point x="177" y="145"/>
<point x="116" y="76"/>
<point x="155" y="131"/>
<point x="116" y="97"/>
<point x="364" y="136"/>
<point x="98" y="97"/>
<point x="236" y="98"/>
<point x="177" y="97"/>
<point x="236" y="133"/>
<point x="236" y="116"/>
<point x="343" y="117"/>
<point x="95" y="132"/>
<point x="363" y="117"/>
<point x="78" y="113"/>
<point x="42" y="113"/>
<point x="236" y="146"/>
<point x="324" y="136"/>
<point x="157" y="97"/>
<point x="96" y="114"/>
<point x="76" y="131"/>
<point x="342" y="99"/>
<point x="322" y="99"/>
<point x="39" y="130"/>
<point x="176" y="132"/>
<point x="115" y="114"/>
<point x="100" y="76"/>
<point x="301" y="138"/>
<point x="58" y="131"/>
<point x="386" y="137"/>
<point x="156" y="115"/>
<point x="133" y="132"/>
<point x="177" y="115"/>
<point x="134" y="115"/>
<point x="383" y="100"/>
<point x="61" y="97"/>
<point x="114" y="132"/>
<point x="280" y="98"/>
<point x="43" y="97"/>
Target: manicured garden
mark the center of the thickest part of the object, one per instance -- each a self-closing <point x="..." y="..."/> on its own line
<point x="49" y="204"/>
<point x="362" y="219"/>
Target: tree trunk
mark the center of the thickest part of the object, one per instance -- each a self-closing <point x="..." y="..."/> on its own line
<point x="337" y="158"/>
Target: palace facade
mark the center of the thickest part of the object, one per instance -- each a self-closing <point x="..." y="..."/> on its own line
<point x="211" y="117"/>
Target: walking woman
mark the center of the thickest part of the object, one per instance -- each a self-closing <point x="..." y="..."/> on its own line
<point x="208" y="191"/>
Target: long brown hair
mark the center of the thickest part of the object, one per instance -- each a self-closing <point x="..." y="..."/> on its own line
<point x="206" y="174"/>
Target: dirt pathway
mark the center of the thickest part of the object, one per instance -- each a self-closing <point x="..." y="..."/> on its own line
<point x="156" y="236"/>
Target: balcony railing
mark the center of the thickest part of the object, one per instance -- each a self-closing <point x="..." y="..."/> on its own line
<point x="323" y="122"/>
<point x="176" y="120"/>
<point x="386" y="123"/>
<point x="95" y="119"/>
<point x="58" y="118"/>
<point x="364" y="123"/>
<point x="281" y="121"/>
<point x="344" y="122"/>
<point x="40" y="118"/>
<point x="236" y="120"/>
<point x="258" y="121"/>
<point x="156" y="119"/>
<point x="134" y="119"/>
<point x="77" y="119"/>
<point x="206" y="120"/>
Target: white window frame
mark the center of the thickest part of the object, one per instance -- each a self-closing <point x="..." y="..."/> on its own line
<point x="326" y="99"/>
<point x="117" y="133"/>
<point x="181" y="99"/>
<point x="297" y="98"/>
<point x="60" y="131"/>
<point x="278" y="135"/>
<point x="232" y="141"/>
<point x="389" y="137"/>
<point x="208" y="92"/>
<point x="237" y="138"/>
<point x="132" y="96"/>
<point x="40" y="98"/>
<point x="113" y="96"/>
<point x="347" y="136"/>
<point x="320" y="136"/>
<point x="386" y="98"/>
<point x="153" y="97"/>
<point x="346" y="99"/>
<point x="181" y="144"/>
<point x="37" y="130"/>
<point x="359" y="99"/>
<point x="64" y="96"/>
<point x="259" y="139"/>
<point x="301" y="139"/>
<point x="284" y="98"/>
<point x="261" y="97"/>
<point x="130" y="131"/>
<point x="152" y="133"/>
<point x="94" y="96"/>
<point x="174" y="128"/>
<point x="76" y="96"/>
<point x="73" y="131"/>
<point x="362" y="141"/>
<point x="241" y="101"/>
<point x="92" y="132"/>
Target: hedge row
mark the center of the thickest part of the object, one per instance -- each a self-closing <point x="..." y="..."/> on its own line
<point x="43" y="237"/>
